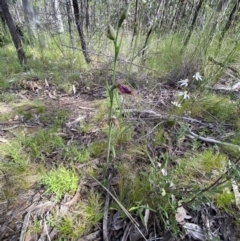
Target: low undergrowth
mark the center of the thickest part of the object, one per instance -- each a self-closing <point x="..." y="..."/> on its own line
<point x="174" y="142"/>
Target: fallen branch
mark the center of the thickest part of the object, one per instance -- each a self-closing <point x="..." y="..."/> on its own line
<point x="222" y="65"/>
<point x="106" y="207"/>
<point x="76" y="196"/>
<point x="90" y="237"/>
<point x="25" y="226"/>
<point x="210" y="140"/>
<point x="155" y="115"/>
<point x="122" y="207"/>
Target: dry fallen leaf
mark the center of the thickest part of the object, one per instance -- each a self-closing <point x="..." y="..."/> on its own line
<point x="236" y="193"/>
<point x="146" y="217"/>
<point x="3" y="140"/>
<point x="194" y="231"/>
<point x="181" y="215"/>
<point x="74" y="89"/>
<point x="46" y="83"/>
<point x="115" y="121"/>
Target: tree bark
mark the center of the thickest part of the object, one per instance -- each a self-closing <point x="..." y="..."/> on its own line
<point x="13" y="31"/>
<point x="136" y="21"/>
<point x="2" y="18"/>
<point x="199" y="6"/>
<point x="229" y="22"/>
<point x="87" y="16"/>
<point x="151" y="27"/>
<point x="80" y="30"/>
<point x="30" y="17"/>
<point x="70" y="20"/>
<point x="57" y="17"/>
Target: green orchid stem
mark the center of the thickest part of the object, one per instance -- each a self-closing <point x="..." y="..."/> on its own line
<point x="111" y="96"/>
<point x="111" y="93"/>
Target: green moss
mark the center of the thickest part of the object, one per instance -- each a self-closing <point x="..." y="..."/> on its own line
<point x="59" y="181"/>
<point x="199" y="169"/>
<point x="74" y="153"/>
<point x="209" y="107"/>
<point x="87" y="214"/>
<point x="98" y="148"/>
<point x="42" y="142"/>
<point x="158" y="137"/>
<point x="225" y="200"/>
<point x="15" y="167"/>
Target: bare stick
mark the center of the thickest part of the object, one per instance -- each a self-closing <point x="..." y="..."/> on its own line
<point x="122" y="207"/>
<point x="210" y="140"/>
<point x="105" y="218"/>
<point x="25" y="226"/>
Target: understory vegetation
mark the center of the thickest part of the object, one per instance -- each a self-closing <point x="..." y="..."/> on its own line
<point x="147" y="142"/>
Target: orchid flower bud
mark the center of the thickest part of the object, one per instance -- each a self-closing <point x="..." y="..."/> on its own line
<point x="123" y="16"/>
<point x="111" y="33"/>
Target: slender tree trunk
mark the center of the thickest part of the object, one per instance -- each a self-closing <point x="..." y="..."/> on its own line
<point x="177" y="12"/>
<point x="151" y="28"/>
<point x="80" y="30"/>
<point x="229" y="22"/>
<point x="57" y="17"/>
<point x="70" y="20"/>
<point x="30" y="17"/>
<point x="87" y="16"/>
<point x="161" y="22"/>
<point x="13" y="31"/>
<point x="2" y="19"/>
<point x="199" y="6"/>
<point x="136" y="21"/>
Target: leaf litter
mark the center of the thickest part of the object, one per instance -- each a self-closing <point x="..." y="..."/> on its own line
<point x="34" y="204"/>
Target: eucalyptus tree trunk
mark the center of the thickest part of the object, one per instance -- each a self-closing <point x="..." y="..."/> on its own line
<point x="70" y="20"/>
<point x="218" y="16"/>
<point x="31" y="17"/>
<point x="57" y="17"/>
<point x="80" y="30"/>
<point x="176" y="14"/>
<point x="198" y="8"/>
<point x="152" y="27"/>
<point x="136" y="21"/>
<point x="228" y="24"/>
<point x="2" y="18"/>
<point x="13" y="31"/>
<point x="87" y="15"/>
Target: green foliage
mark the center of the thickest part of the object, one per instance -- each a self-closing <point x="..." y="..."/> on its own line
<point x="98" y="148"/>
<point x="27" y="109"/>
<point x="8" y="97"/>
<point x="36" y="227"/>
<point x="59" y="181"/>
<point x="149" y="188"/>
<point x="225" y="200"/>
<point x="199" y="168"/>
<point x="158" y="136"/>
<point x="15" y="168"/>
<point x="75" y="154"/>
<point x="43" y="142"/>
<point x="88" y="213"/>
<point x="210" y="107"/>
<point x="66" y="227"/>
<point x="91" y="210"/>
<point x="165" y="56"/>
<point x="9" y="66"/>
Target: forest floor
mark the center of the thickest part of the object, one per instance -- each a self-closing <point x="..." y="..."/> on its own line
<point x="29" y="209"/>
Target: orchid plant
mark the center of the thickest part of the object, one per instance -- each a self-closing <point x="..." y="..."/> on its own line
<point x="184" y="94"/>
<point x="115" y="85"/>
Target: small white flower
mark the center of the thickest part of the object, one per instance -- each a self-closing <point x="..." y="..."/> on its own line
<point x="197" y="76"/>
<point x="183" y="82"/>
<point x="184" y="94"/>
<point x="176" y="104"/>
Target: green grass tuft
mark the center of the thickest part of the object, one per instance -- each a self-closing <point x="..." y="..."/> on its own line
<point x="59" y="181"/>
